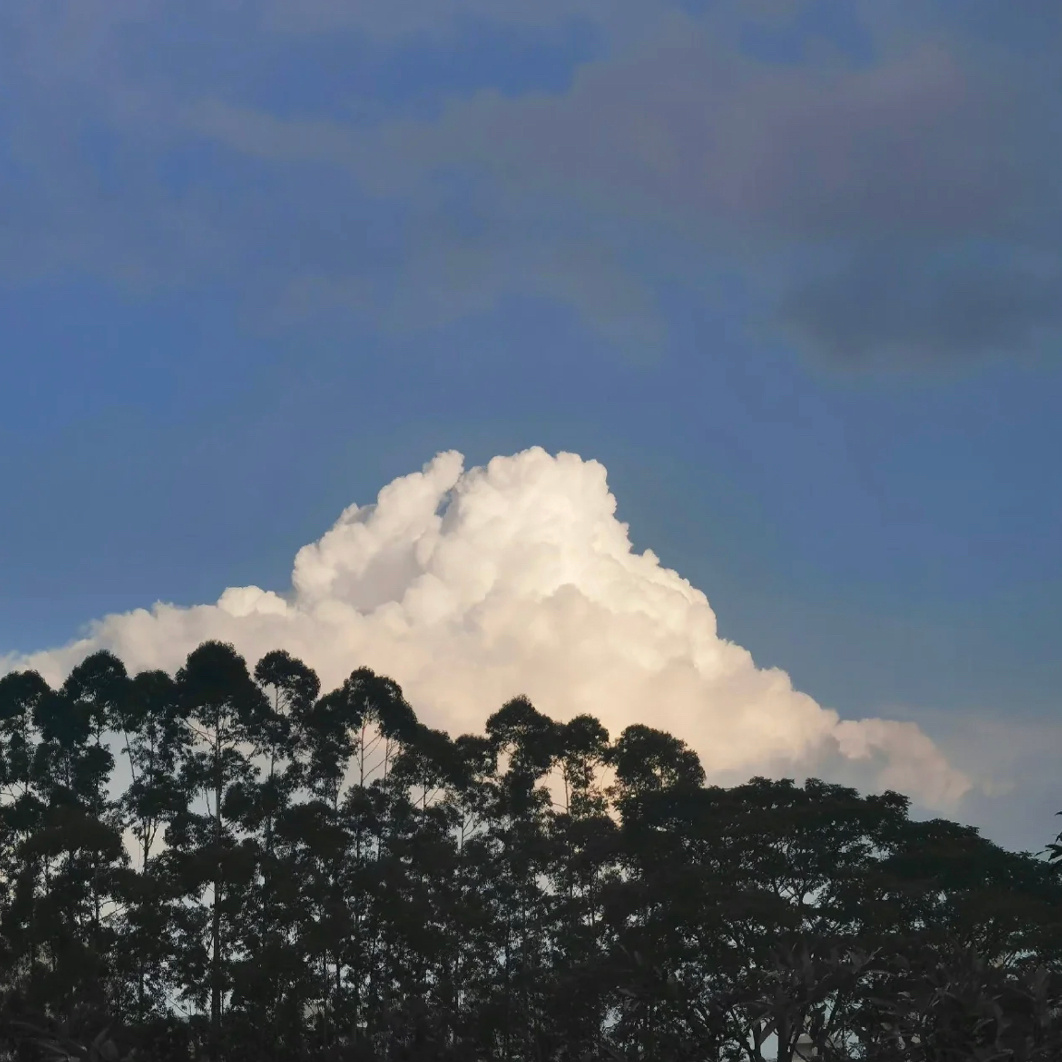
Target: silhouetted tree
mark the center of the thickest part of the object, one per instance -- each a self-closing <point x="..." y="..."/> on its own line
<point x="277" y="874"/>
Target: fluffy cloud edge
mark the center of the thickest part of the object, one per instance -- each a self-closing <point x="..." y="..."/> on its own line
<point x="472" y="586"/>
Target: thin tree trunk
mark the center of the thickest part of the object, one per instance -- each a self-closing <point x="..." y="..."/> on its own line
<point x="215" y="929"/>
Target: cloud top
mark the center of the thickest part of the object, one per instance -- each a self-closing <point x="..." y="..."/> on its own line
<point x="471" y="586"/>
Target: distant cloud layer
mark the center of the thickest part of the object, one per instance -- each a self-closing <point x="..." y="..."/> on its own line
<point x="470" y="587"/>
<point x="889" y="199"/>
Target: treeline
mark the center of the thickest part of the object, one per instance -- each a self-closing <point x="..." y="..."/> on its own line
<point x="226" y="864"/>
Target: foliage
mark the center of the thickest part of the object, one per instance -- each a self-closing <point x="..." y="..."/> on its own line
<point x="227" y="864"/>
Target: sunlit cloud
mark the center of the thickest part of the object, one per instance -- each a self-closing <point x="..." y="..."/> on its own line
<point x="472" y="586"/>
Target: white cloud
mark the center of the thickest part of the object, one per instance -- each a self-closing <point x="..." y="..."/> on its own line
<point x="469" y="587"/>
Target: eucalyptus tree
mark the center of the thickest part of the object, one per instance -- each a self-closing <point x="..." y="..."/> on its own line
<point x="655" y="897"/>
<point x="25" y="800"/>
<point x="519" y="851"/>
<point x="264" y="968"/>
<point x="292" y="689"/>
<point x="62" y="829"/>
<point x="86" y="821"/>
<point x="153" y="734"/>
<point x="348" y="742"/>
<point x="226" y="713"/>
<point x="353" y="733"/>
<point x="585" y="859"/>
<point x="156" y="741"/>
<point x="416" y="890"/>
<point x="451" y="787"/>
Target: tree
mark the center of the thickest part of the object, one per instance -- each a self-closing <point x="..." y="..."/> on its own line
<point x="267" y="979"/>
<point x="227" y="714"/>
<point x="85" y="828"/>
<point x="326" y="877"/>
<point x="24" y="806"/>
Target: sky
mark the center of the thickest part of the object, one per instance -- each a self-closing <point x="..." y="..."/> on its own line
<point x="465" y="306"/>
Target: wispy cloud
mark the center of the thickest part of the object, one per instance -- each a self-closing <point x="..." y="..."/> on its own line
<point x="876" y="204"/>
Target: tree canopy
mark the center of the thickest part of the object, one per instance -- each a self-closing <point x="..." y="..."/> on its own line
<point x="226" y="864"/>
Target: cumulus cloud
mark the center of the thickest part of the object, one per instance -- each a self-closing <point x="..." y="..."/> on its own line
<point x="470" y="587"/>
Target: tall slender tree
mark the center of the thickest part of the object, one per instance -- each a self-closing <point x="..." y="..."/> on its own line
<point x="227" y="713"/>
<point x="25" y="801"/>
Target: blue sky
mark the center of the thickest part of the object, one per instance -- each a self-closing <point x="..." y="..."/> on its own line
<point x="790" y="270"/>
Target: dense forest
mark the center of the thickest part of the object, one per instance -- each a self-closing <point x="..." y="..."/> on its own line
<point x="226" y="864"/>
